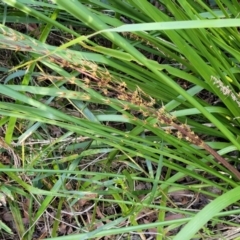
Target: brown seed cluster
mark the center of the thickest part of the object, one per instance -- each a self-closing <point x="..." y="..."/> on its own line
<point x="96" y="77"/>
<point x="101" y="79"/>
<point x="183" y="131"/>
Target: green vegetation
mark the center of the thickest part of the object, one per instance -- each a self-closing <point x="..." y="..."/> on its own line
<point x="119" y="119"/>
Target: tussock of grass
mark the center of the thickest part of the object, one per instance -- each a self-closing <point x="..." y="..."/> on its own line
<point x="125" y="127"/>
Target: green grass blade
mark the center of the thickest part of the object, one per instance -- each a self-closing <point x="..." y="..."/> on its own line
<point x="207" y="213"/>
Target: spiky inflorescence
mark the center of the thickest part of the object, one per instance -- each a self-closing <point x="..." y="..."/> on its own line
<point x="102" y="79"/>
<point x="226" y="90"/>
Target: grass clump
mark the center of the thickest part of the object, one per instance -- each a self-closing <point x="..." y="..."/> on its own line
<point x="119" y="119"/>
